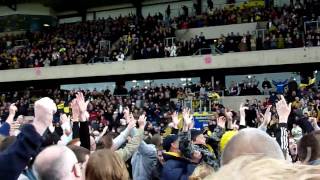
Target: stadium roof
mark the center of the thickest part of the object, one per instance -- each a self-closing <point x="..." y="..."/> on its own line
<point x="65" y="5"/>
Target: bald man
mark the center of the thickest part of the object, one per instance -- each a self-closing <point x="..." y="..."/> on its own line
<point x="251" y="141"/>
<point x="57" y="163"/>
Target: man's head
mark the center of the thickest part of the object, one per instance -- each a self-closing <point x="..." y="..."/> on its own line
<point x="197" y="137"/>
<point x="57" y="162"/>
<point x="82" y="155"/>
<point x="106" y="141"/>
<point x="44" y="110"/>
<point x="257" y="167"/>
<point x="171" y="143"/>
<point x="156" y="140"/>
<point x="44" y="106"/>
<point x="251" y="141"/>
<point x="309" y="147"/>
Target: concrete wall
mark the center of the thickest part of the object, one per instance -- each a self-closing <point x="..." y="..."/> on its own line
<point x="90" y="86"/>
<point x="149" y="7"/>
<point x="230" y="60"/>
<point x="113" y="11"/>
<point x="234" y="102"/>
<point x="70" y="20"/>
<point x="216" y="31"/>
<point x="26" y="8"/>
<point x="260" y="77"/>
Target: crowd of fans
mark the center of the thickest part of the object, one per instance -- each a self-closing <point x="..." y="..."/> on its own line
<point x="100" y="135"/>
<point x="141" y="38"/>
<point x="65" y="44"/>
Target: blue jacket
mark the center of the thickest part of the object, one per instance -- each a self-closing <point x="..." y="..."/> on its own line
<point x="280" y="86"/>
<point x="15" y="159"/>
<point x="176" y="168"/>
<point x="143" y="161"/>
<point x="5" y="129"/>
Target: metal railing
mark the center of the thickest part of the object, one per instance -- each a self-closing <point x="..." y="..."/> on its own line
<point x="104" y="44"/>
<point x="169" y="41"/>
<point x="103" y="59"/>
<point x="311" y="24"/>
<point x="212" y="50"/>
<point x="201" y="103"/>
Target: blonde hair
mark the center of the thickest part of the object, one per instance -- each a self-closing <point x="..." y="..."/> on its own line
<point x="106" y="165"/>
<point x="264" y="168"/>
<point x="201" y="171"/>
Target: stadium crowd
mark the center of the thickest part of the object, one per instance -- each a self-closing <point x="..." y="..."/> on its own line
<point x="100" y="135"/>
<point x="142" y="38"/>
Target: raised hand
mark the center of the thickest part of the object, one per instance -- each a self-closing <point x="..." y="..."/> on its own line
<point x="242" y="110"/>
<point x="65" y="124"/>
<point x="82" y="104"/>
<point x="132" y="124"/>
<point x="12" y="112"/>
<point x="186" y="116"/>
<point x="283" y="110"/>
<point x="126" y="113"/>
<point x="221" y="122"/>
<point x="75" y="110"/>
<point x="314" y="122"/>
<point x="13" y="109"/>
<point x="175" y="119"/>
<point x="266" y="117"/>
<point x="142" y="121"/>
<point x="64" y="119"/>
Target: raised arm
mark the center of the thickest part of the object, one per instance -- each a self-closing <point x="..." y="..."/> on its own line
<point x="266" y="118"/>
<point x="75" y="119"/>
<point x="84" y="132"/>
<point x="243" y="116"/>
<point x="283" y="110"/>
<point x="219" y="130"/>
<point x="185" y="143"/>
<point x="122" y="137"/>
<point x="15" y="159"/>
<point x="5" y="128"/>
<point x="126" y="152"/>
<point x="175" y="123"/>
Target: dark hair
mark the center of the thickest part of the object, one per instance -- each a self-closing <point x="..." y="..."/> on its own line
<point x="309" y="141"/>
<point x="156" y="140"/>
<point x="106" y="141"/>
<point x="80" y="152"/>
<point x="5" y="143"/>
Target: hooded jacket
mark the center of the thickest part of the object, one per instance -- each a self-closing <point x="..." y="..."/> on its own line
<point x="143" y="161"/>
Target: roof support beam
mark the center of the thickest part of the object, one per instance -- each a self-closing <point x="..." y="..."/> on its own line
<point x="12" y="4"/>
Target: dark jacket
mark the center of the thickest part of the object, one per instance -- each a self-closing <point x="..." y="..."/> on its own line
<point x="5" y="129"/>
<point x="176" y="167"/>
<point x="15" y="159"/>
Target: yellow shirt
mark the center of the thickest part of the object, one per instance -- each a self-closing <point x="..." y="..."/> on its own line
<point x="60" y="106"/>
<point x="14" y="59"/>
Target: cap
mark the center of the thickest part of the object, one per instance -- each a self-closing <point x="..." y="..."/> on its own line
<point x="168" y="140"/>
